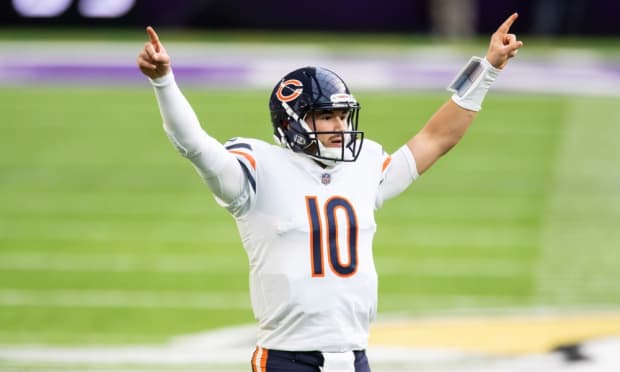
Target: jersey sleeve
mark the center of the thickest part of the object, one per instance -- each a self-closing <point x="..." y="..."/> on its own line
<point x="219" y="168"/>
<point x="398" y="172"/>
<point x="243" y="152"/>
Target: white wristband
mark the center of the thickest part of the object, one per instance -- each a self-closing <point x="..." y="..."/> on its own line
<point x="472" y="83"/>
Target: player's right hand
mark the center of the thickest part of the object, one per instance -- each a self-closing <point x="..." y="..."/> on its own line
<point x="153" y="60"/>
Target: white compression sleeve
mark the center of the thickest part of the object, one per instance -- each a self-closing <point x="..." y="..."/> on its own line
<point x="400" y="174"/>
<point x="218" y="168"/>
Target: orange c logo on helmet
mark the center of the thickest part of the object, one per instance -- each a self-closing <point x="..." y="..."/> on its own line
<point x="289" y="85"/>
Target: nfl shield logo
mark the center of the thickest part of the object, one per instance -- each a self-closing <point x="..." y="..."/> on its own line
<point x="326" y="178"/>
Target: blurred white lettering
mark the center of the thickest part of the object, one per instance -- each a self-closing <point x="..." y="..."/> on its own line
<point x="87" y="8"/>
<point x="41" y="8"/>
<point x="105" y="8"/>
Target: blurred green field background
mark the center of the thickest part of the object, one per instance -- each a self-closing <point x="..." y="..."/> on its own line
<point x="108" y="236"/>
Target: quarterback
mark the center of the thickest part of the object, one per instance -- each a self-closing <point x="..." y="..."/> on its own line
<point x="304" y="207"/>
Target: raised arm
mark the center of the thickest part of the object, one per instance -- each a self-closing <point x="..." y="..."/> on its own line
<point x="180" y="121"/>
<point x="217" y="166"/>
<point x="448" y="125"/>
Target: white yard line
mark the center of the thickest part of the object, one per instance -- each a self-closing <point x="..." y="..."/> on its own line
<point x="123" y="299"/>
<point x="120" y="262"/>
<point x="496" y="268"/>
<point x="109" y="298"/>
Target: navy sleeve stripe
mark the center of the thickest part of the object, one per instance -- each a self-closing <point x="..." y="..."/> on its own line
<point x="248" y="175"/>
<point x="239" y="146"/>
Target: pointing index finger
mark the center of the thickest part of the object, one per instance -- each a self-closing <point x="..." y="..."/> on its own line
<point x="154" y="39"/>
<point x="505" y="27"/>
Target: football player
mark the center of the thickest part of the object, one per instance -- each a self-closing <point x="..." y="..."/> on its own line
<point x="305" y="206"/>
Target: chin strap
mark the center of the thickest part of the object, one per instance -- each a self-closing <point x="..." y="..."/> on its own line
<point x="472" y="83"/>
<point x="329" y="152"/>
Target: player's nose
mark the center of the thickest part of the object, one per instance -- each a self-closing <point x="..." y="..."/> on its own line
<point x="340" y="123"/>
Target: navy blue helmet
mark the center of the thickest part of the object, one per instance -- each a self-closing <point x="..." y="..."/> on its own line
<point x="294" y="100"/>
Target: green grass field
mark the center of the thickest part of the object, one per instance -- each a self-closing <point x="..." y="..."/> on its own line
<point x="108" y="236"/>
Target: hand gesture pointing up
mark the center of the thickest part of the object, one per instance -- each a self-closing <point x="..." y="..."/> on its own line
<point x="503" y="45"/>
<point x="153" y="60"/>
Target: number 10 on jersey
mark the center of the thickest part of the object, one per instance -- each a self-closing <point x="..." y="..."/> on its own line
<point x="337" y="211"/>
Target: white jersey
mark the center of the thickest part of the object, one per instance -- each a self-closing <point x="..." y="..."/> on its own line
<point x="308" y="233"/>
<point x="307" y="230"/>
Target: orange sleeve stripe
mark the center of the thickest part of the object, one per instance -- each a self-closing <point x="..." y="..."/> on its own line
<point x="386" y="162"/>
<point x="247" y="156"/>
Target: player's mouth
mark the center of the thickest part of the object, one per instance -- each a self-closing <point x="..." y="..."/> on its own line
<point x="334" y="141"/>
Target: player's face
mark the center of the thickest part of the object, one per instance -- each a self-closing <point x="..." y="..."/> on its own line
<point x="330" y="121"/>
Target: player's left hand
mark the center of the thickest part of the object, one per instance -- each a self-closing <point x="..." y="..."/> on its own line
<point x="503" y="45"/>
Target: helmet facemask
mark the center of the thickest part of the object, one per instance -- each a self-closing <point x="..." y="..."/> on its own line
<point x="349" y="138"/>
